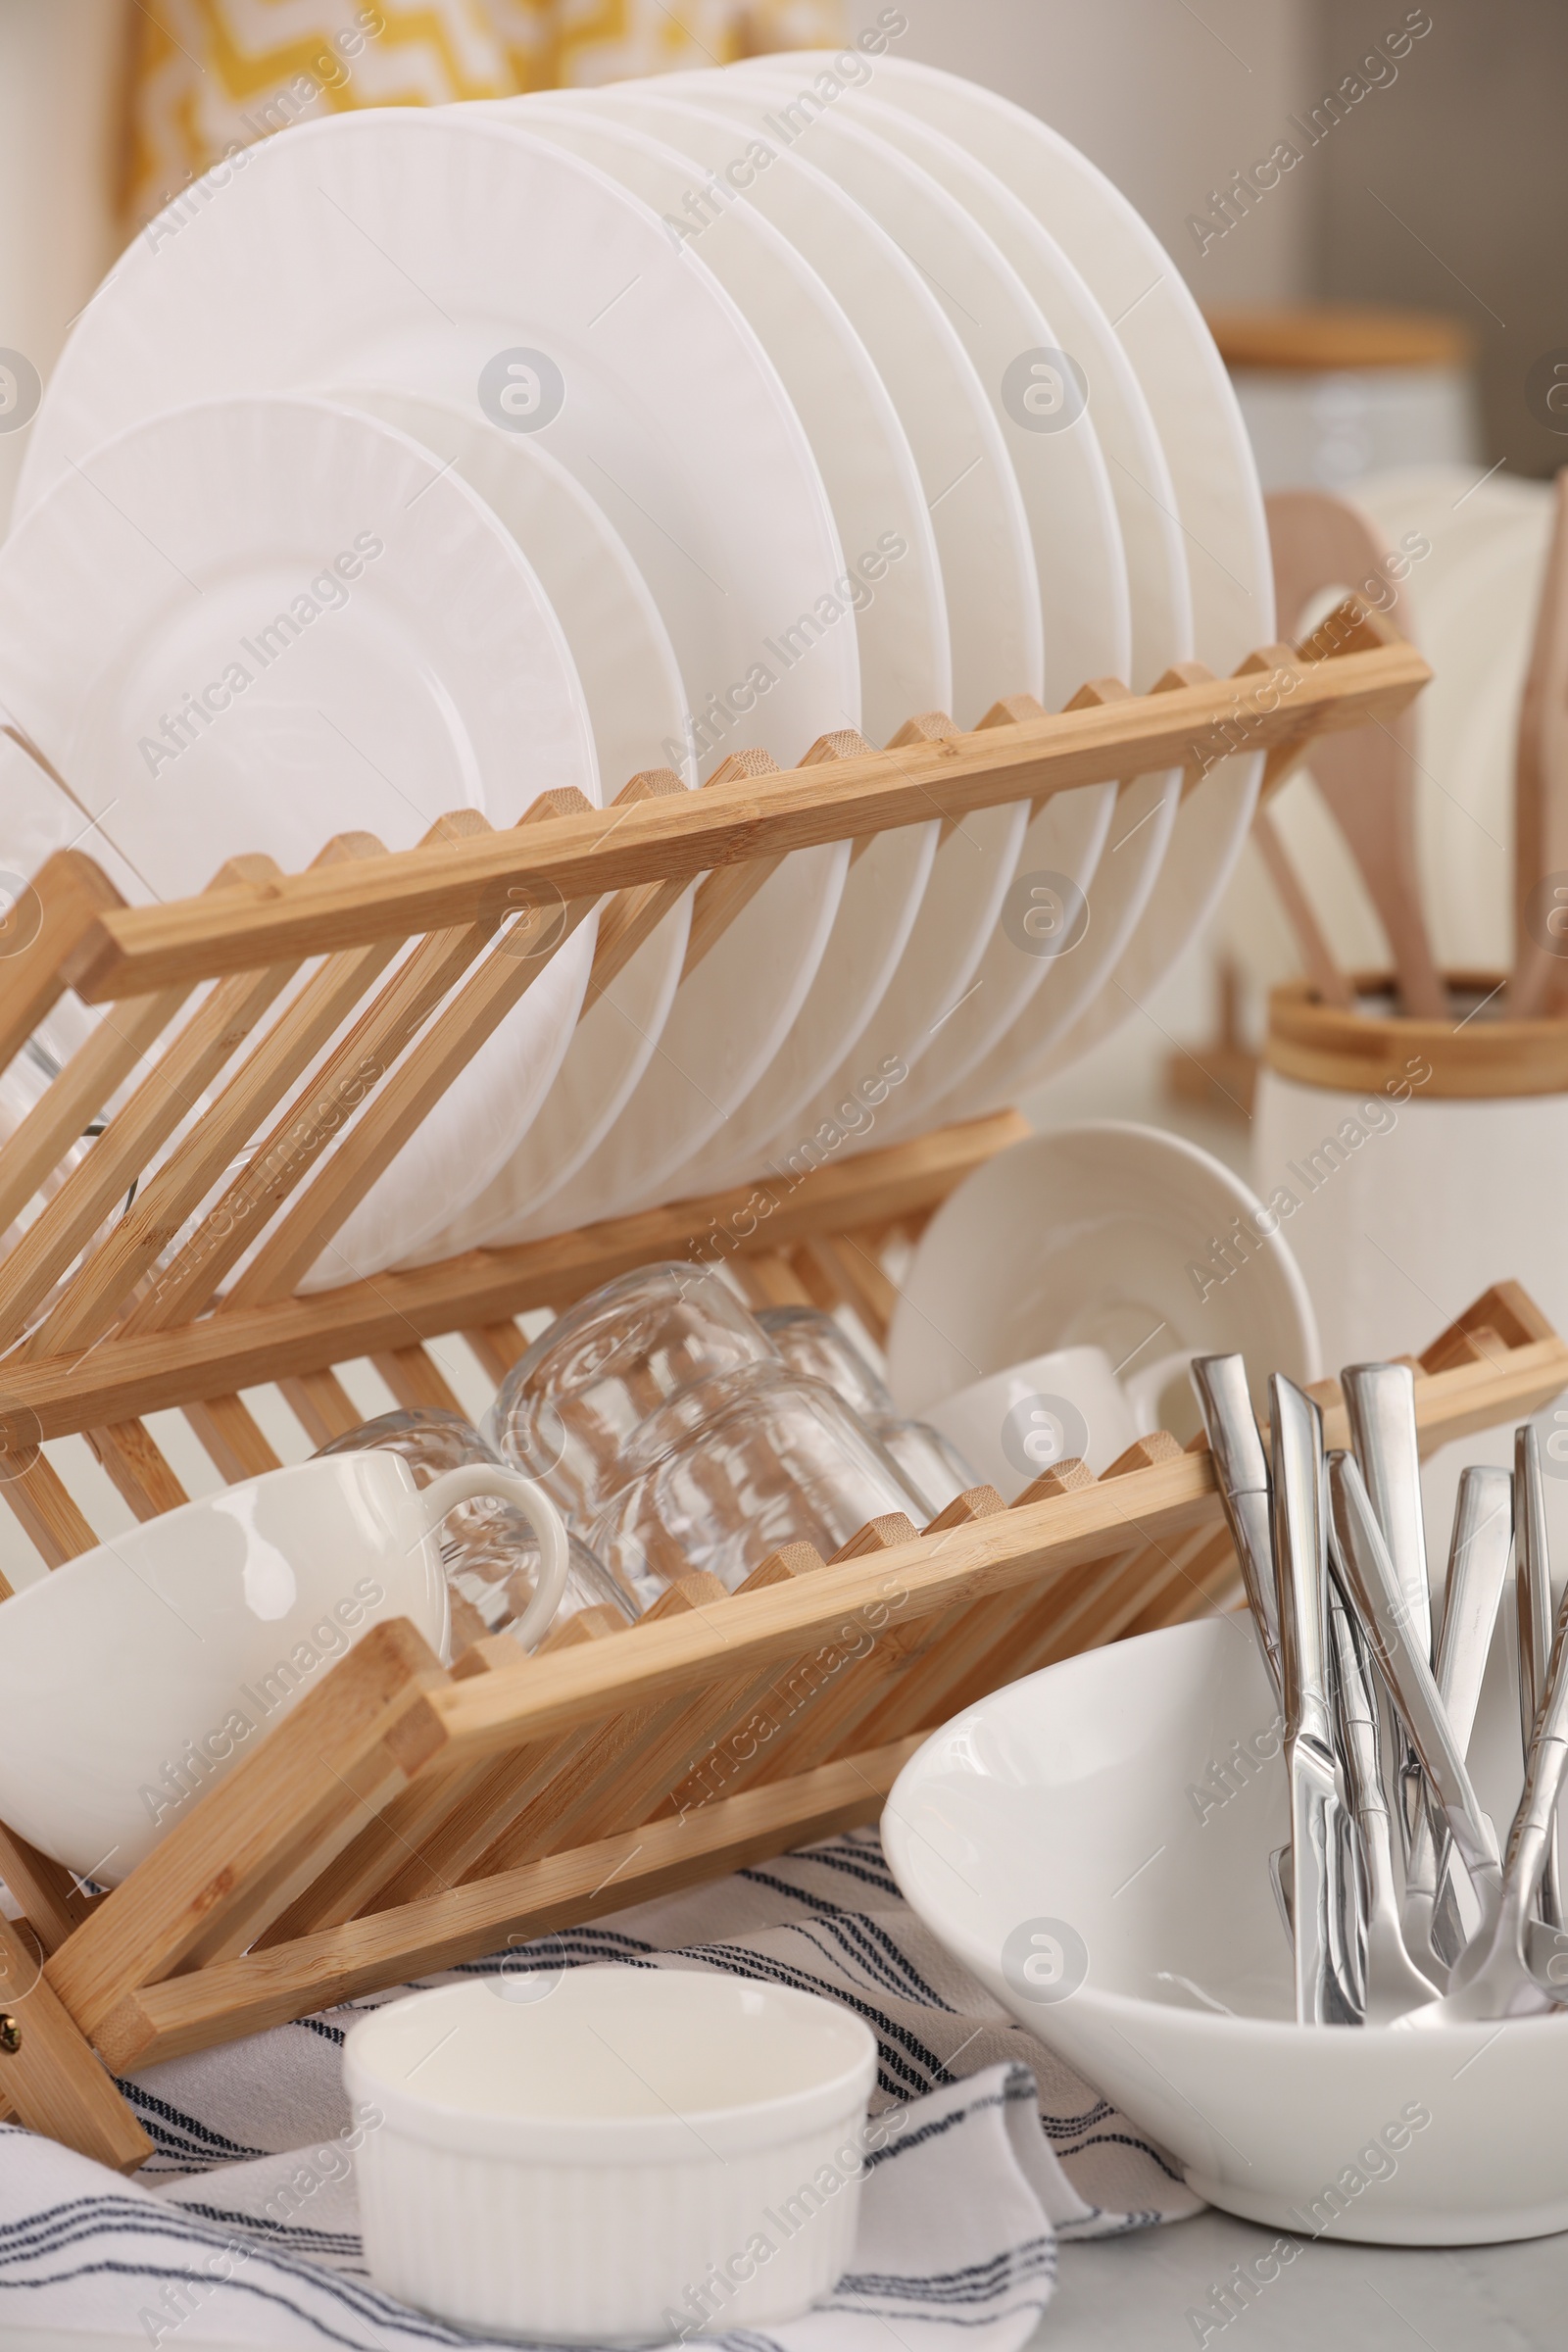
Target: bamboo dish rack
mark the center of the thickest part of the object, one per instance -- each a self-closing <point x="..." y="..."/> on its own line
<point x="405" y="1816"/>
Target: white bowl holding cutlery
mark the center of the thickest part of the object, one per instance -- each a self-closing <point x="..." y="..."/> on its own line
<point x="1092" y="1842"/>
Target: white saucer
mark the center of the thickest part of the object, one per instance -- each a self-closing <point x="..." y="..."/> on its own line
<point x="251" y="624"/>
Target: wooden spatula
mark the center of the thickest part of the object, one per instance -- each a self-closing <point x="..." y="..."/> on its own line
<point x="1366" y="774"/>
<point x="1540" y="782"/>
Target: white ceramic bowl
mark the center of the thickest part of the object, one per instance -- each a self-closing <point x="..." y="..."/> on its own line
<point x="136" y="1676"/>
<point x="611" y="2154"/>
<point x="1107" y="1235"/>
<point x="1092" y="1843"/>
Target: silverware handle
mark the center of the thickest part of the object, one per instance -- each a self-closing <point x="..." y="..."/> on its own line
<point x="1358" y="1717"/>
<point x="1300" y="1559"/>
<point x="1380" y="1406"/>
<point x="1532" y="1578"/>
<point x="1478" y="1568"/>
<point x="1240" y="1472"/>
<point x="1386" y="1620"/>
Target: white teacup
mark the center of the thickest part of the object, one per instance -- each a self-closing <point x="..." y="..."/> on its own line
<point x="1019" y="1423"/>
<point x="134" y="1677"/>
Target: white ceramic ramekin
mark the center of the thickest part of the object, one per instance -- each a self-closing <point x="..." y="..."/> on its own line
<point x="612" y="2155"/>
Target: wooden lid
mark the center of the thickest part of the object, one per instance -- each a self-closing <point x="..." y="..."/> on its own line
<point x="1317" y="337"/>
<point x="1474" y="1055"/>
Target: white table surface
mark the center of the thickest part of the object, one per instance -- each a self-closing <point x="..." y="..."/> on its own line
<point x="1133" y="2294"/>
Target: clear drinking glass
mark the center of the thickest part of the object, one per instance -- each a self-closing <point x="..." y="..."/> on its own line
<point x="816" y="1343"/>
<point x="488" y="1549"/>
<point x="732" y="1470"/>
<point x="928" y="1461"/>
<point x="568" y="1410"/>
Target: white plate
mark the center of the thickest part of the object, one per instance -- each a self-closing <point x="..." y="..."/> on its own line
<point x="1063" y="482"/>
<point x="872" y="481"/>
<point x="988" y="572"/>
<point x="425" y="250"/>
<point x="1219" y="511"/>
<point x="635" y="699"/>
<point x="1160" y="605"/>
<point x="369" y="649"/>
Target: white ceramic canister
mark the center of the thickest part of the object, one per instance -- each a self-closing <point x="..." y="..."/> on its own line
<point x="1414" y="1164"/>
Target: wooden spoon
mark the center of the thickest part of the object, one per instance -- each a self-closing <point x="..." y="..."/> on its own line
<point x="1366" y="774"/>
<point x="1541" y="779"/>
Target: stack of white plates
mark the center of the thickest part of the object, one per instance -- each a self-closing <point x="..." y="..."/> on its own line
<point x="433" y="460"/>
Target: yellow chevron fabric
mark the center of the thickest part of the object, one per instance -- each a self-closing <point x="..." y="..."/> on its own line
<point x="206" y="75"/>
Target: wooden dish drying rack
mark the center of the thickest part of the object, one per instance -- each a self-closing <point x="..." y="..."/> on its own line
<point x="405" y="1816"/>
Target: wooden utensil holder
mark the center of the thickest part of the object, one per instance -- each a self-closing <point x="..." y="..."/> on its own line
<point x="405" y="1815"/>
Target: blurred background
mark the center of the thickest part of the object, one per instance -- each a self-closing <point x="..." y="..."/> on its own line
<point x="1394" y="296"/>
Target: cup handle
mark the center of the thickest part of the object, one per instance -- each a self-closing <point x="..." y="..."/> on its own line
<point x="472" y="1480"/>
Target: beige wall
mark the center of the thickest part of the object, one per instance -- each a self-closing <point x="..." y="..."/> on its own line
<point x="59" y="60"/>
<point x="1471" y="150"/>
<point x="1168" y="102"/>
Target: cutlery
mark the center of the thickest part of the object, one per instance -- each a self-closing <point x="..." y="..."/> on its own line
<point x="1324" y="1989"/>
<point x="1533" y="1600"/>
<point x="1240" y="1472"/>
<point x="1392" y="1981"/>
<point x="1492" y="1977"/>
<point x="1380" y="1605"/>
<point x="1380" y="1406"/>
<point x="1478" y="1564"/>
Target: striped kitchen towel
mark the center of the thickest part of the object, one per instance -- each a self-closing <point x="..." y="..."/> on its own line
<point x="244" y="2229"/>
